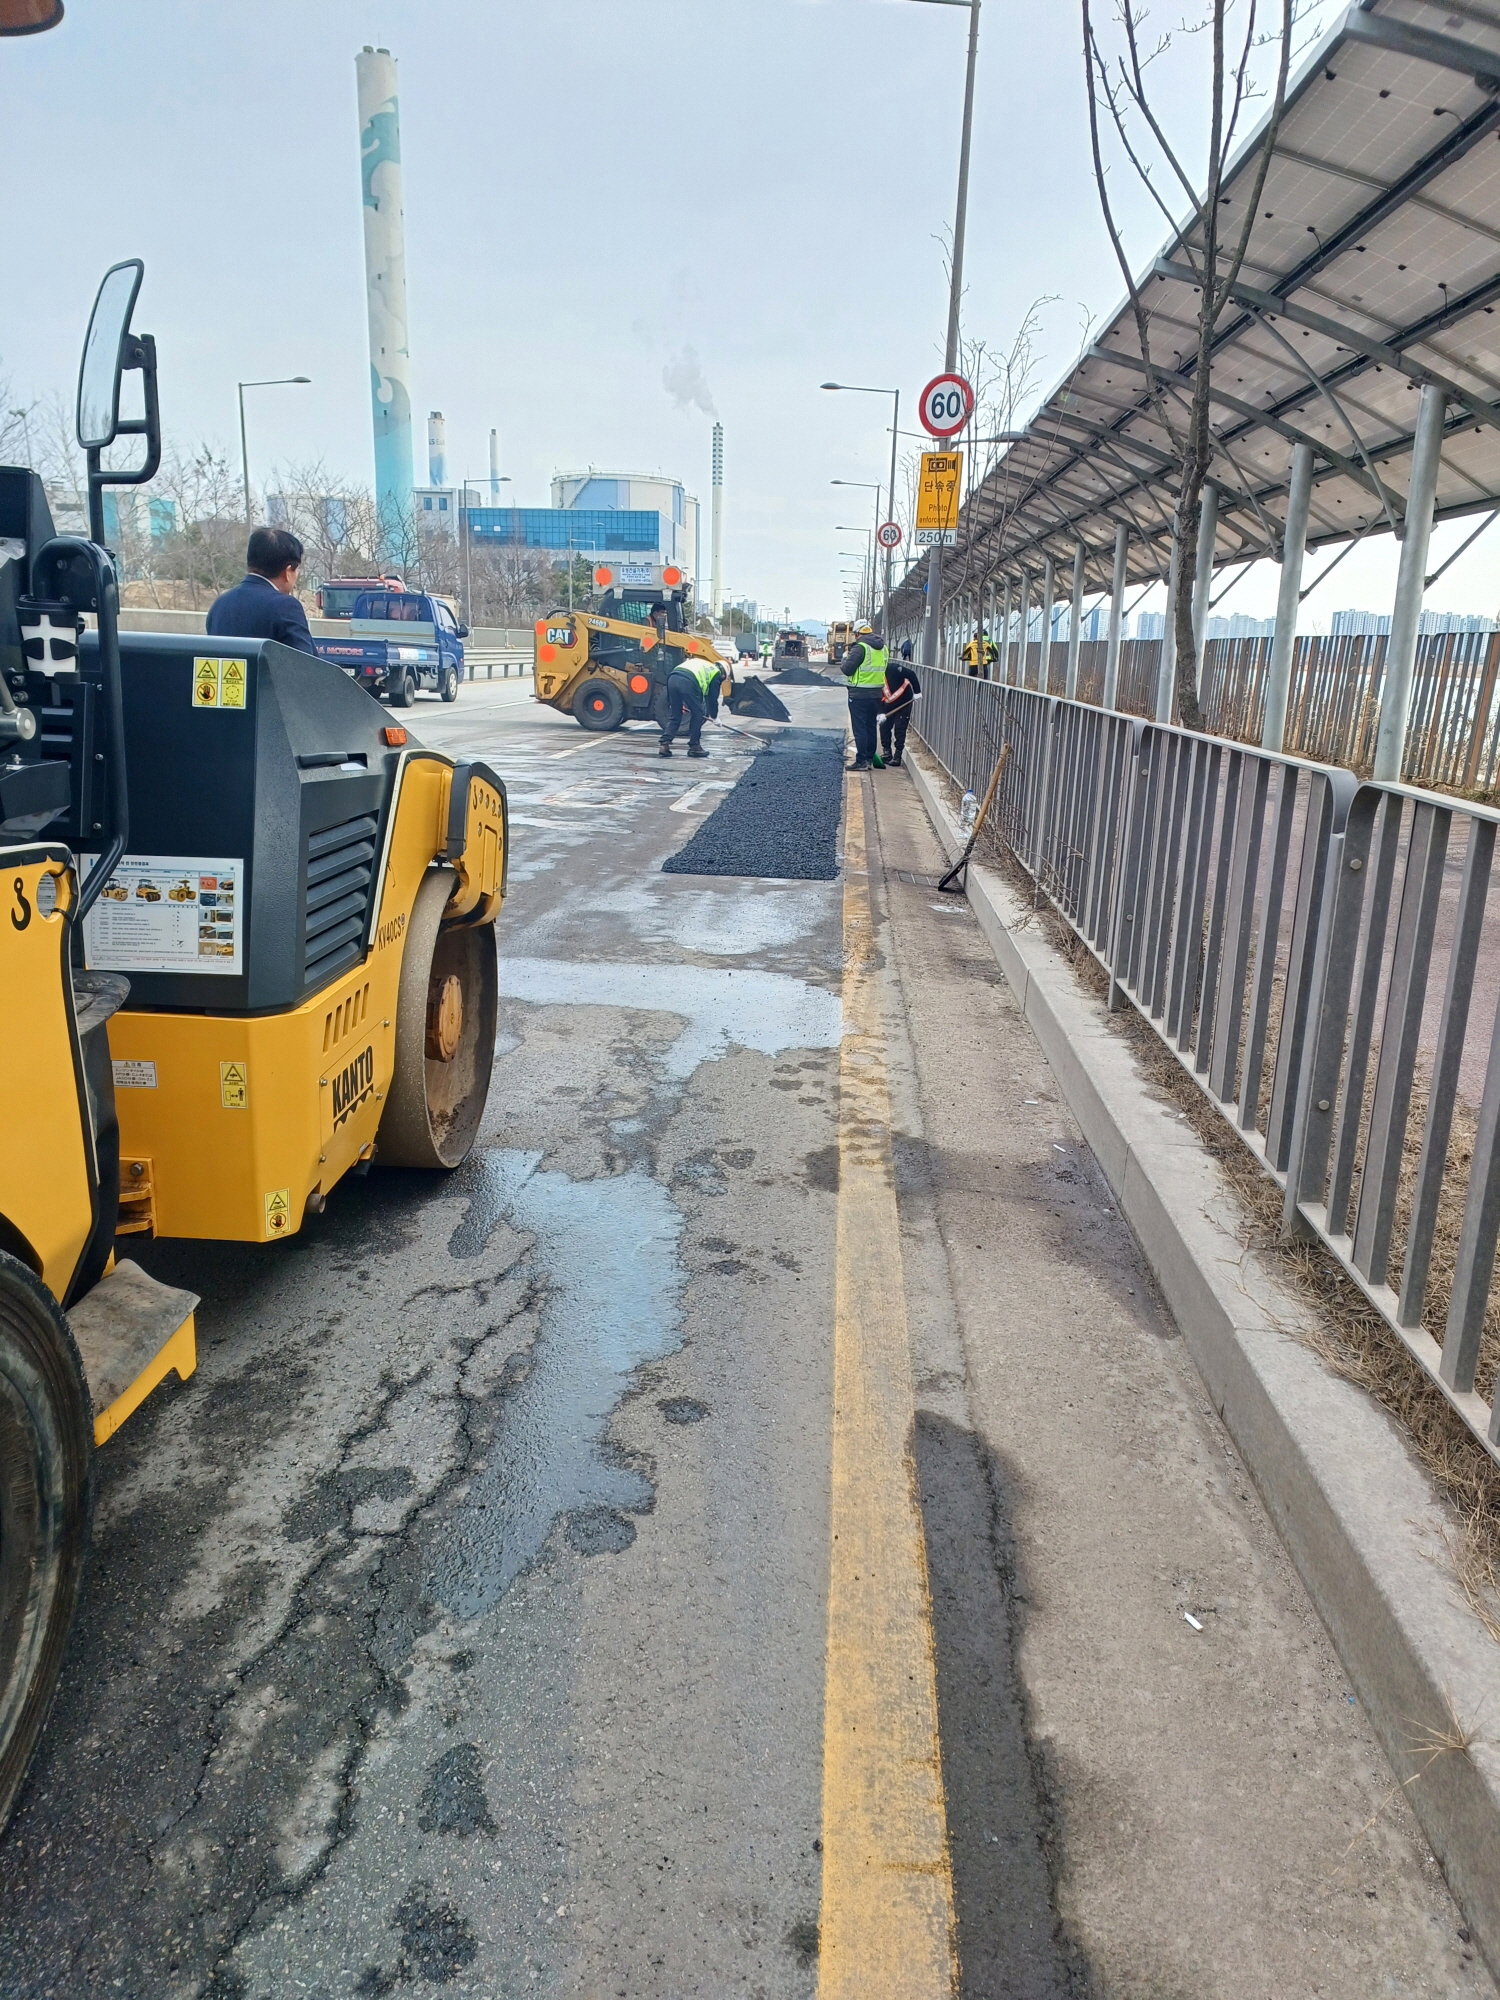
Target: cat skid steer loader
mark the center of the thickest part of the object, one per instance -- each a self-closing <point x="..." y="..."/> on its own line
<point x="610" y="666"/>
<point x="246" y="945"/>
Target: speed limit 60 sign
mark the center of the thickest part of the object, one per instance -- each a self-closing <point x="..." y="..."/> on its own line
<point x="888" y="534"/>
<point x="946" y="406"/>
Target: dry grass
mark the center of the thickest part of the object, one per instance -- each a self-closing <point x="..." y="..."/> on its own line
<point x="1346" y="1331"/>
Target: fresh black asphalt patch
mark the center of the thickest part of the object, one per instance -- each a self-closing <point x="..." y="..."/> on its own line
<point x="781" y="821"/>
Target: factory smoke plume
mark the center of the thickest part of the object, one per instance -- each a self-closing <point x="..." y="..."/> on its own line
<point x="685" y="382"/>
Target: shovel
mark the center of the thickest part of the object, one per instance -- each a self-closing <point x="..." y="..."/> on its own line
<point x="951" y="885"/>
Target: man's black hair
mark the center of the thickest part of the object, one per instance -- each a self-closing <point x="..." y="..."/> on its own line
<point x="271" y="551"/>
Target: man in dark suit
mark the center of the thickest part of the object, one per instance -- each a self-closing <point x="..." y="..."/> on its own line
<point x="265" y="605"/>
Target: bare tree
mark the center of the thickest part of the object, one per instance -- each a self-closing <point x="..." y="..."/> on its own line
<point x="1212" y="239"/>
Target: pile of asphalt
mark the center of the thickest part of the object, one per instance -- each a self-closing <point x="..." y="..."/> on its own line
<point x="801" y="677"/>
<point x="781" y="821"/>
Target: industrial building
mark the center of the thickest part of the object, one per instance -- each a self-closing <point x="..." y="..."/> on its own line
<point x="647" y="518"/>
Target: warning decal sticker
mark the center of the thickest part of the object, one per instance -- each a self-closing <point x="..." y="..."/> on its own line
<point x="234" y="1086"/>
<point x="278" y="1212"/>
<point x="219" y="683"/>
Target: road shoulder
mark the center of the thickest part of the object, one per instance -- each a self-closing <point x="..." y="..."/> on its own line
<point x="1211" y="1804"/>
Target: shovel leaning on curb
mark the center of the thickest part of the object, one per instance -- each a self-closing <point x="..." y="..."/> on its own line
<point x="951" y="885"/>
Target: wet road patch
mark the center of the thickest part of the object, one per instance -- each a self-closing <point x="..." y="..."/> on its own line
<point x="600" y="1531"/>
<point x="683" y="1410"/>
<point x="781" y="821"/>
<point x="454" y="1799"/>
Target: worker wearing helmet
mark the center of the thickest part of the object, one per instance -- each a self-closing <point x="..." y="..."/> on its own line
<point x="692" y="687"/>
<point x="863" y="667"/>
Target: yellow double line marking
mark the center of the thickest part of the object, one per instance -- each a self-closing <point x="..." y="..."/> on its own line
<point x="887" y="1918"/>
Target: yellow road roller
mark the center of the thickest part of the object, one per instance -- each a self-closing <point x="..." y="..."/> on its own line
<point x="246" y="945"/>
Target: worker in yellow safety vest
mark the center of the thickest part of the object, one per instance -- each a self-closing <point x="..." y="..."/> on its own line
<point x="692" y="688"/>
<point x="978" y="654"/>
<point x="863" y="667"/>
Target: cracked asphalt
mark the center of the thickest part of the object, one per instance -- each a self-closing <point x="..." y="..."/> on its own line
<point x="416" y="1649"/>
<point x="460" y="1627"/>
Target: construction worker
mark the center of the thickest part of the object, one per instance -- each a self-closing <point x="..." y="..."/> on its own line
<point x="692" y="686"/>
<point x="897" y="698"/>
<point x="863" y="667"/>
<point x="976" y="654"/>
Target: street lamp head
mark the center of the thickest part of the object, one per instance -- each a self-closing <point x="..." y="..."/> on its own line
<point x="830" y="385"/>
<point x="301" y="378"/>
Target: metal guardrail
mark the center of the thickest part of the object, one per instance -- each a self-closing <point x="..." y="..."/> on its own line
<point x="1315" y="951"/>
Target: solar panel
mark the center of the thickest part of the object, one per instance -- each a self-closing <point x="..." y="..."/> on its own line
<point x="1373" y="265"/>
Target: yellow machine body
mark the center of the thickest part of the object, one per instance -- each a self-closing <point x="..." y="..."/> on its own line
<point x="46" y="1195"/>
<point x="567" y="653"/>
<point x="231" y="1124"/>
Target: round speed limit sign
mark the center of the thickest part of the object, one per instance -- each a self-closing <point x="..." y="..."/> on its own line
<point x="946" y="406"/>
<point x="888" y="534"/>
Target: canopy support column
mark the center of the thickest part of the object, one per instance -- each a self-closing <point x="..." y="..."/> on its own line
<point x="1406" y="613"/>
<point x="1023" y="664"/>
<point x="1284" y="641"/>
<point x="1166" y="672"/>
<point x="1116" y="618"/>
<point x="1005" y="638"/>
<point x="1044" y="674"/>
<point x="1075" y="630"/>
<point x="1208" y="529"/>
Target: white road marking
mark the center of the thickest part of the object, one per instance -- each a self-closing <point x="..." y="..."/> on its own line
<point x="690" y="799"/>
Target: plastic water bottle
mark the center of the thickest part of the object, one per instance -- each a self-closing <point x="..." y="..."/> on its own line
<point x="968" y="812"/>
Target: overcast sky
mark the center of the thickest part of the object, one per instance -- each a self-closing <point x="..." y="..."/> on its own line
<point x="591" y="187"/>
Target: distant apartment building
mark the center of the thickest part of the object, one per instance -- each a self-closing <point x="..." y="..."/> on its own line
<point x="1376" y="623"/>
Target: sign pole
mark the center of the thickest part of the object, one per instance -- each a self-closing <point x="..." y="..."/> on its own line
<point x="955" y="295"/>
<point x="890" y="548"/>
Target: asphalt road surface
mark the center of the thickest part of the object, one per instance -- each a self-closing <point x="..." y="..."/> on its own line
<point x="514" y="1600"/>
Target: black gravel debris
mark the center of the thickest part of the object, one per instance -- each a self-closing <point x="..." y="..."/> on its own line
<point x="781" y="821"/>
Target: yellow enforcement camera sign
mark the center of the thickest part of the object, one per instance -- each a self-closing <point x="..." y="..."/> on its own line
<point x="937" y="499"/>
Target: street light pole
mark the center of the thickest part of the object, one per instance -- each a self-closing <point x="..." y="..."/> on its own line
<point x="955" y="296"/>
<point x="272" y="382"/>
<point x="861" y="389"/>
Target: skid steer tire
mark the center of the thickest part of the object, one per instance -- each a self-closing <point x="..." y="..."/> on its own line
<point x="445" y="1036"/>
<point x="599" y="705"/>
<point x="46" y="1498"/>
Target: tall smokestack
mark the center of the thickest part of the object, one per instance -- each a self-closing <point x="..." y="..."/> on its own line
<point x="385" y="281"/>
<point x="494" y="468"/>
<point x="716" y="539"/>
<point x="437" y="449"/>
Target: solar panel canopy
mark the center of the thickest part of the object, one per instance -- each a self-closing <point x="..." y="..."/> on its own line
<point x="1373" y="268"/>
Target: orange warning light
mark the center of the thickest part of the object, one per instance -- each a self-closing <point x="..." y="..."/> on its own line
<point x="548" y="653"/>
<point x="394" y="735"/>
<point x="604" y="577"/>
<point x="671" y="578"/>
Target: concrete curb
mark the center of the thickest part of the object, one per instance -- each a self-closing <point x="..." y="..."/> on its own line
<point x="1357" y="1514"/>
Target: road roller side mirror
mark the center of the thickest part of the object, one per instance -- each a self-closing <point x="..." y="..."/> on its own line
<point x="110" y="350"/>
<point x="29" y="17"/>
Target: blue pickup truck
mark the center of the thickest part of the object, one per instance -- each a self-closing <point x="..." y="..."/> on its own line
<point x="398" y="642"/>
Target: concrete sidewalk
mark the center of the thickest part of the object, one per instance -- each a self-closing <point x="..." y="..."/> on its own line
<point x="1158" y="1780"/>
